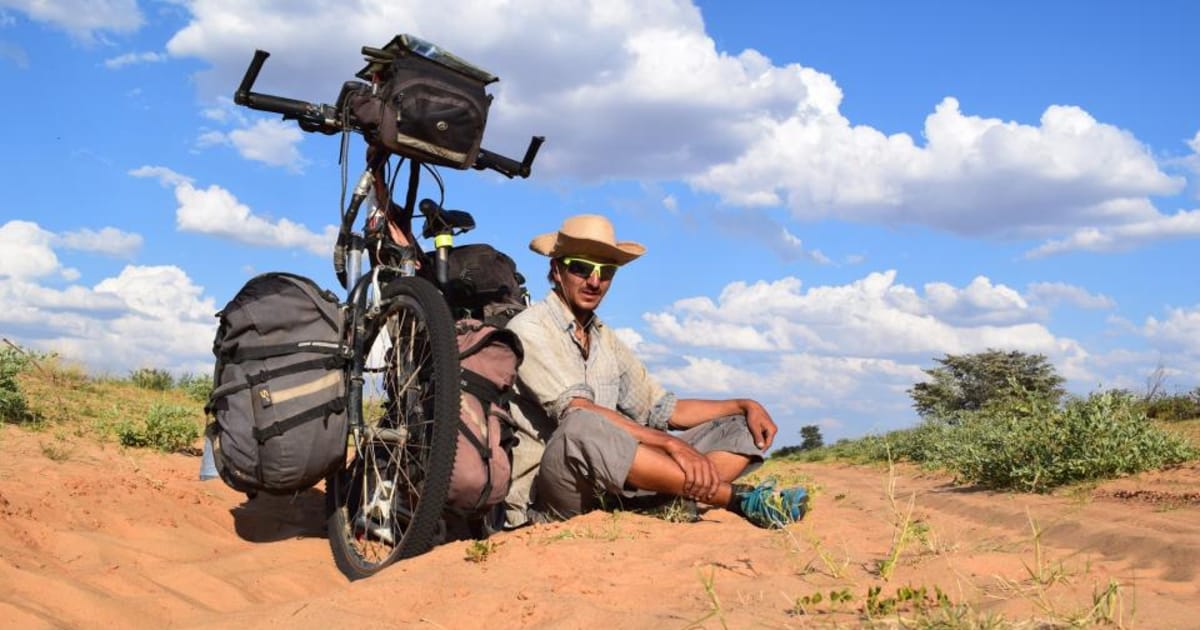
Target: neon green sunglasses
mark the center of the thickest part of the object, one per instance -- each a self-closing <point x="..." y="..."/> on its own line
<point x="585" y="268"/>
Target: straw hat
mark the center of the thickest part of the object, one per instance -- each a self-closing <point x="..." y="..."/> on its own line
<point x="589" y="236"/>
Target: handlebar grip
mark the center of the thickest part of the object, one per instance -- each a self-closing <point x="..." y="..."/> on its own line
<point x="241" y="96"/>
<point x="535" y="143"/>
<point x="507" y="166"/>
<point x="377" y="54"/>
<point x="504" y="165"/>
<point x="289" y="107"/>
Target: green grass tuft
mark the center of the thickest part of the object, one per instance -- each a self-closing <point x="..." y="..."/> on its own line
<point x="152" y="378"/>
<point x="168" y="428"/>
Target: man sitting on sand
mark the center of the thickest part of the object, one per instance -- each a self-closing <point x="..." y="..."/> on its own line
<point x="595" y="427"/>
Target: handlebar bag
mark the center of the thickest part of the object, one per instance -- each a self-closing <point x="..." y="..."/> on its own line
<point x="278" y="405"/>
<point x="424" y="110"/>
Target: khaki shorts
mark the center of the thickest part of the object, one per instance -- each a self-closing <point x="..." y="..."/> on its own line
<point x="587" y="460"/>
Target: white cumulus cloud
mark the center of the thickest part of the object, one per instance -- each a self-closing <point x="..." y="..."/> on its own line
<point x="751" y="130"/>
<point x="273" y="142"/>
<point x="25" y="250"/>
<point x="1055" y="293"/>
<point x="145" y="316"/>
<point x="873" y="316"/>
<point x="1119" y="238"/>
<point x="974" y="176"/>
<point x="83" y="19"/>
<point x="129" y="59"/>
<point x="109" y="241"/>
<point x="215" y="211"/>
<point x="164" y="175"/>
<point x="1179" y="330"/>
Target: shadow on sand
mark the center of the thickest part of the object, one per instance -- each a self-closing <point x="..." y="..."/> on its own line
<point x="271" y="518"/>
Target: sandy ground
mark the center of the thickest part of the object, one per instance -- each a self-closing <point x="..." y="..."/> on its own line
<point x="114" y="538"/>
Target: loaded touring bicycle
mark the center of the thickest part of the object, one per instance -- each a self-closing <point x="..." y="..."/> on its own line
<point x="366" y="392"/>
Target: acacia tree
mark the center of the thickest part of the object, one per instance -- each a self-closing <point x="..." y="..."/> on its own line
<point x="967" y="382"/>
<point x="811" y="437"/>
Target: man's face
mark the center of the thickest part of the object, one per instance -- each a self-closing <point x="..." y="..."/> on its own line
<point x="583" y="281"/>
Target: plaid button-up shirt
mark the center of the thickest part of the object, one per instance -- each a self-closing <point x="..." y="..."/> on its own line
<point x="555" y="371"/>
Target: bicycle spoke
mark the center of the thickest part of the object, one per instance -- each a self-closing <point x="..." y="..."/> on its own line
<point x="388" y="501"/>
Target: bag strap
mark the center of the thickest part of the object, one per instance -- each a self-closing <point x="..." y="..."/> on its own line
<point x="258" y="378"/>
<point x="332" y="407"/>
<point x="486" y="391"/>
<point x="485" y="453"/>
<point x="237" y="353"/>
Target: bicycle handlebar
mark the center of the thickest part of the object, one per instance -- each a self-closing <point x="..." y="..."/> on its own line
<point x="310" y="116"/>
<point x="326" y="119"/>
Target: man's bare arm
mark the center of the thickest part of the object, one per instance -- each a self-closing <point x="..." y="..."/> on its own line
<point x="690" y="412"/>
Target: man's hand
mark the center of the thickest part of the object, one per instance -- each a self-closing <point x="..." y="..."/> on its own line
<point x="700" y="479"/>
<point x="762" y="427"/>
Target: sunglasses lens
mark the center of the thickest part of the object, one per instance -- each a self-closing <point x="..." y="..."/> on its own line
<point x="579" y="268"/>
<point x="585" y="269"/>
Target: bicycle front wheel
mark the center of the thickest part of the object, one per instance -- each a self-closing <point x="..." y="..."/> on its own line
<point x="386" y="503"/>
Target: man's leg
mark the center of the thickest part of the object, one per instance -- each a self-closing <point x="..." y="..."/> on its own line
<point x="588" y="457"/>
<point x="656" y="471"/>
<point x="727" y="443"/>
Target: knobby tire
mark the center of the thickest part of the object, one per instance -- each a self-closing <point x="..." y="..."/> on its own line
<point x="408" y="437"/>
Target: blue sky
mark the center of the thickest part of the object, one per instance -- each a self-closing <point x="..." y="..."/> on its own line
<point x="832" y="194"/>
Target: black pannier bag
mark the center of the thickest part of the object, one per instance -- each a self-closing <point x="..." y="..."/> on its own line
<point x="483" y="283"/>
<point x="430" y="106"/>
<point x="278" y="403"/>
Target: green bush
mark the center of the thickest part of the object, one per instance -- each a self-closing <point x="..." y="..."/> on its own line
<point x="151" y="378"/>
<point x="197" y="386"/>
<point x="1171" y="408"/>
<point x="13" y="407"/>
<point x="1029" y="443"/>
<point x="168" y="428"/>
<point x="1033" y="445"/>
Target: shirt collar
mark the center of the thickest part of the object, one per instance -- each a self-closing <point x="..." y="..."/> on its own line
<point x="564" y="317"/>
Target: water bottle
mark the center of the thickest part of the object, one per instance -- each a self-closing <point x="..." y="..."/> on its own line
<point x="208" y="464"/>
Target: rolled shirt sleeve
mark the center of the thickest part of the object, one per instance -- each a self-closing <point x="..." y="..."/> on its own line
<point x="641" y="396"/>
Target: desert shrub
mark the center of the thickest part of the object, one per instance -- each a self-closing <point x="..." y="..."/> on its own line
<point x="1174" y="407"/>
<point x="1027" y="443"/>
<point x="168" y="428"/>
<point x="13" y="407"/>
<point x="151" y="378"/>
<point x="811" y="439"/>
<point x="969" y="382"/>
<point x="1034" y="445"/>
<point x="867" y="449"/>
<point x="197" y="386"/>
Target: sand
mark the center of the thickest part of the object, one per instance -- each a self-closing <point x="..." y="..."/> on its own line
<point x="109" y="537"/>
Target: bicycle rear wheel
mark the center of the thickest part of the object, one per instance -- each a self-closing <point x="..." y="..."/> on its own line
<point x="386" y="503"/>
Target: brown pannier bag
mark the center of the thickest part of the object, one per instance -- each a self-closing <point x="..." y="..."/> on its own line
<point x="489" y="358"/>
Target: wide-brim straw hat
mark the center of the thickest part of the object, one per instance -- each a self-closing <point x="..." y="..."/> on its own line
<point x="587" y="236"/>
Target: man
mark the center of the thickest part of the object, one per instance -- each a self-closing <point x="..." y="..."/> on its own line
<point x="595" y="424"/>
